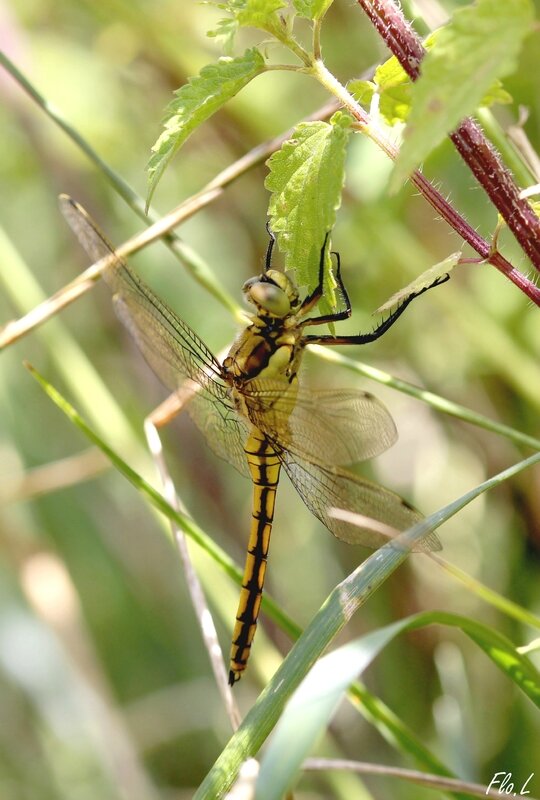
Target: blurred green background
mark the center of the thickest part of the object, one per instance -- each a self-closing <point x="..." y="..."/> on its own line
<point x="105" y="688"/>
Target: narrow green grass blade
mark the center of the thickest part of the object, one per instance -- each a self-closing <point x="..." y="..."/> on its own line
<point x="431" y="399"/>
<point x="488" y="595"/>
<point x="509" y="658"/>
<point x="311" y="708"/>
<point x="155" y="498"/>
<point x="373" y="709"/>
<point x="342" y="603"/>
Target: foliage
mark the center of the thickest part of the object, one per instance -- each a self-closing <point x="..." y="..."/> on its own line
<point x="198" y="100"/>
<point x="305" y="179"/>
<point x="105" y="683"/>
<point x="394" y="88"/>
<point x="481" y="43"/>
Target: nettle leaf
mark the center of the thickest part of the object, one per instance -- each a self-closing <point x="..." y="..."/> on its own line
<point x="258" y="13"/>
<point x="496" y="94"/>
<point x="312" y="9"/>
<point x="395" y="103"/>
<point x="306" y="180"/>
<point x="422" y="282"/>
<point x="225" y="30"/>
<point x="362" y="91"/>
<point x="394" y="87"/>
<point x="196" y="101"/>
<point x="261" y="14"/>
<point x="480" y="44"/>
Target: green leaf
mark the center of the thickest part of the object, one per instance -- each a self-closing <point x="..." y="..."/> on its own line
<point x="496" y="94"/>
<point x="261" y="14"/>
<point x="196" y="101"/>
<point x="311" y="708"/>
<point x="362" y="91"/>
<point x="258" y="13"/>
<point x="312" y="9"/>
<point x="306" y="180"/>
<point x="225" y="30"/>
<point x="395" y="88"/>
<point x="480" y="44"/>
<point x="424" y="280"/>
<point x="395" y="103"/>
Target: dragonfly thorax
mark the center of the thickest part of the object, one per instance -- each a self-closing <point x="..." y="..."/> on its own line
<point x="271" y="346"/>
<point x="272" y="293"/>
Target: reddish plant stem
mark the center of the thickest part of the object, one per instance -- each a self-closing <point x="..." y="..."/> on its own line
<point x="477" y="152"/>
<point x="462" y="227"/>
<point x="482" y="247"/>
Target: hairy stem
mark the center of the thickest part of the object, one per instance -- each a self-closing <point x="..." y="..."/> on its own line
<point x="484" y="248"/>
<point x="477" y="152"/>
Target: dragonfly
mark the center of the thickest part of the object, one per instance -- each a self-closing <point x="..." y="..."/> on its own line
<point x="255" y="414"/>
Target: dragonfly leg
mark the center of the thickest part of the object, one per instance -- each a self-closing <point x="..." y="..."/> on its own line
<point x="312" y="299"/>
<point x="271" y="243"/>
<point x="365" y="338"/>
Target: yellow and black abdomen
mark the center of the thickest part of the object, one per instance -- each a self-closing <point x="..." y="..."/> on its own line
<point x="264" y="467"/>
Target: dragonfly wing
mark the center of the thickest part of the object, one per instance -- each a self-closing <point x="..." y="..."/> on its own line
<point x="225" y="432"/>
<point x="133" y="297"/>
<point x="85" y="229"/>
<point x="170" y="347"/>
<point x="322" y="488"/>
<point x="334" y="427"/>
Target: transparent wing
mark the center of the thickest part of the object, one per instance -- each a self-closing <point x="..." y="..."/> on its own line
<point x="170" y="347"/>
<point x="322" y="488"/>
<point x="331" y="427"/>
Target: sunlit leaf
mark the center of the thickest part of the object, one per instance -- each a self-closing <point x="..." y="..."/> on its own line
<point x="258" y="13"/>
<point x="480" y="44"/>
<point x="312" y="9"/>
<point x="262" y="14"/>
<point x="225" y="31"/>
<point x="394" y="87"/>
<point x="362" y="91"/>
<point x="306" y="180"/>
<point x="420" y="283"/>
<point x="196" y="101"/>
<point x="310" y="710"/>
<point x="496" y="94"/>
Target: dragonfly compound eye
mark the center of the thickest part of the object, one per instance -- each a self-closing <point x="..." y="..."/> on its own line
<point x="268" y="297"/>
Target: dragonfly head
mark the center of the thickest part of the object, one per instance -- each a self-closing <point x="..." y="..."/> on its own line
<point x="272" y="293"/>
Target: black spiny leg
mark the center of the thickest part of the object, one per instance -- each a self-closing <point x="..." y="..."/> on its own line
<point x="313" y="298"/>
<point x="364" y="338"/>
<point x="271" y="243"/>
